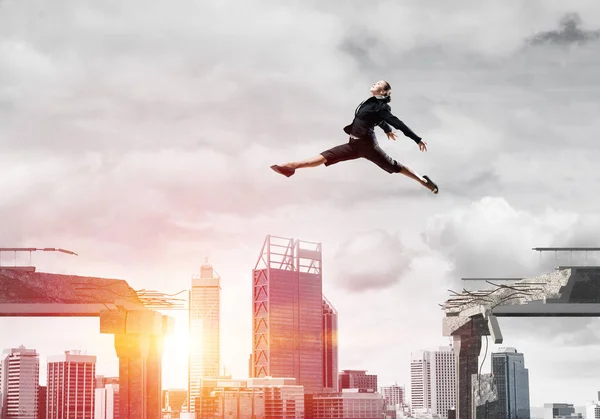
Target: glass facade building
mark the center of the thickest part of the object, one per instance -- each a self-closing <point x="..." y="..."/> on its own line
<point x="512" y="383"/>
<point x="288" y="313"/>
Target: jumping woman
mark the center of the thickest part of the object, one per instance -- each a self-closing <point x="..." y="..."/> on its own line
<point x="363" y="142"/>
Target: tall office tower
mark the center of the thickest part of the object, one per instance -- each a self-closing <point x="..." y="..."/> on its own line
<point x="330" y="348"/>
<point x="204" y="330"/>
<point x="394" y="396"/>
<point x="420" y="393"/>
<point x="433" y="381"/>
<point x="512" y="381"/>
<point x="287" y="312"/>
<point x="357" y="379"/>
<point x="71" y="385"/>
<point x="106" y="404"/>
<point x="20" y="368"/>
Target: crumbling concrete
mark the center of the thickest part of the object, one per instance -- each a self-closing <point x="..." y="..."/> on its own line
<point x="569" y="291"/>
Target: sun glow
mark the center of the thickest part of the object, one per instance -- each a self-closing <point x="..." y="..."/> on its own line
<point x="177" y="347"/>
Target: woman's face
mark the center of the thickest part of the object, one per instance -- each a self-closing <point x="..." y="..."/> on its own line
<point x="379" y="87"/>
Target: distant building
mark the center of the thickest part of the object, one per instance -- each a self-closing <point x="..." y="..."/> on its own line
<point x="102" y="381"/>
<point x="350" y="403"/>
<point x="256" y="398"/>
<point x="554" y="410"/>
<point x="204" y="330"/>
<point x="330" y="347"/>
<point x="433" y="381"/>
<point x="19" y="383"/>
<point x="284" y="398"/>
<point x="235" y="400"/>
<point x="204" y="404"/>
<point x="394" y="395"/>
<point x="421" y="415"/>
<point x="592" y="410"/>
<point x="42" y="402"/>
<point x="357" y="379"/>
<point x="512" y="382"/>
<point x="106" y="403"/>
<point x="71" y="386"/>
<point x="106" y="398"/>
<point x="174" y="400"/>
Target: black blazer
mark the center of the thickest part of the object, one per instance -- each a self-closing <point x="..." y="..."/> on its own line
<point x="375" y="111"/>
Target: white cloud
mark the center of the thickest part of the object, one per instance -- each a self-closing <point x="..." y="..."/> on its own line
<point x="373" y="259"/>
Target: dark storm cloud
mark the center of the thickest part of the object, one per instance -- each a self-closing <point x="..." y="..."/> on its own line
<point x="371" y="260"/>
<point x="569" y="33"/>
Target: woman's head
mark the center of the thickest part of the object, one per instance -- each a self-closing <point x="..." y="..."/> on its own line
<point x="381" y="88"/>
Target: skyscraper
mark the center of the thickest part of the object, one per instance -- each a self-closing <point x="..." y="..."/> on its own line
<point x="433" y="381"/>
<point x="19" y="382"/>
<point x="71" y="385"/>
<point x="287" y="310"/>
<point x="204" y="330"/>
<point x="330" y="348"/>
<point x="512" y="381"/>
<point x="420" y="394"/>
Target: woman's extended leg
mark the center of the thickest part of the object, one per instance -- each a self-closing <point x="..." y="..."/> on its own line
<point x="383" y="160"/>
<point x="423" y="180"/>
<point x="288" y="169"/>
<point x="332" y="156"/>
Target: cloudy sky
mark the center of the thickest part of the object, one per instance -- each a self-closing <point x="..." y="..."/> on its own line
<point x="140" y="135"/>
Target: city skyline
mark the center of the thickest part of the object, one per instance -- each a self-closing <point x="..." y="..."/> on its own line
<point x="142" y="142"/>
<point x="206" y="271"/>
